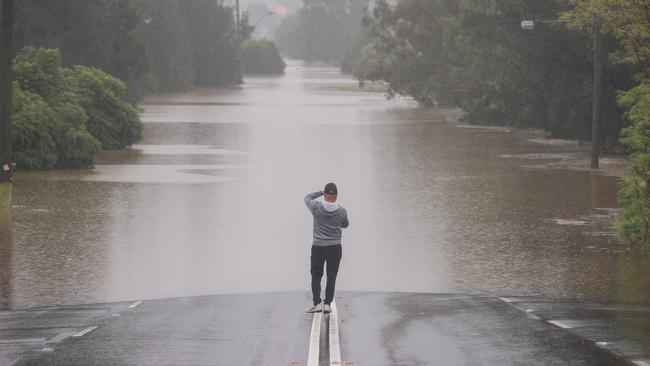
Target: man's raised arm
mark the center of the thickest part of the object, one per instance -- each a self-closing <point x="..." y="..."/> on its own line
<point x="310" y="197"/>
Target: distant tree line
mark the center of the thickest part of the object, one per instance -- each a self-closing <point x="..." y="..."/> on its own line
<point x="322" y="30"/>
<point x="474" y="55"/>
<point x="153" y="45"/>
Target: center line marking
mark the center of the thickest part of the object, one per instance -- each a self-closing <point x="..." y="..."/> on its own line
<point x="314" y="341"/>
<point x="135" y="304"/>
<point x="559" y="324"/>
<point x="85" y="331"/>
<point x="335" y="348"/>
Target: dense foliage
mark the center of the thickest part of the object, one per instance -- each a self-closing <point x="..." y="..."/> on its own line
<point x="111" y="119"/>
<point x="260" y="56"/>
<point x="63" y="117"/>
<point x="159" y="45"/>
<point x="474" y="55"/>
<point x="322" y="30"/>
<point x="629" y="22"/>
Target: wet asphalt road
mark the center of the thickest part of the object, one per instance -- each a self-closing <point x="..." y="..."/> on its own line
<point x="375" y="329"/>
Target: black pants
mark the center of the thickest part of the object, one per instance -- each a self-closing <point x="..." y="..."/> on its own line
<point x="319" y="255"/>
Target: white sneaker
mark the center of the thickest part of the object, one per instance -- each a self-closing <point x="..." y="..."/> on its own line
<point x="315" y="309"/>
<point x="327" y="309"/>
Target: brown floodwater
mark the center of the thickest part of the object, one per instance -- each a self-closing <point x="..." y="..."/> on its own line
<point x="210" y="202"/>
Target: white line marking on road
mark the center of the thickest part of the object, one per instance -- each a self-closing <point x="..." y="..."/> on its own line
<point x="61" y="337"/>
<point x="22" y="340"/>
<point x="314" y="341"/>
<point x="506" y="299"/>
<point x="559" y="324"/>
<point x="85" y="331"/>
<point x="640" y="363"/>
<point x="135" y="304"/>
<point x="533" y="316"/>
<point x="335" y="347"/>
<point x="601" y="344"/>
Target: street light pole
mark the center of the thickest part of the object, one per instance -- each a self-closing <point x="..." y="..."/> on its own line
<point x="6" y="50"/>
<point x="237" y="77"/>
<point x="237" y="18"/>
<point x="595" y="121"/>
<point x="598" y="71"/>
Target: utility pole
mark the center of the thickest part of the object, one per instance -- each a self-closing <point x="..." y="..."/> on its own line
<point x="6" y="63"/>
<point x="237" y="28"/>
<point x="595" y="121"/>
<point x="237" y="78"/>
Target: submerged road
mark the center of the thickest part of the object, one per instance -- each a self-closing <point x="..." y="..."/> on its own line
<point x="373" y="329"/>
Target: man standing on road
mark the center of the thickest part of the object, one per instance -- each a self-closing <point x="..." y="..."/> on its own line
<point x="329" y="218"/>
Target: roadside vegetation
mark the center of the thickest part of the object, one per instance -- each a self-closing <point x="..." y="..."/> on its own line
<point x="83" y="64"/>
<point x="475" y="55"/>
<point x="629" y="22"/>
<point x="153" y="46"/>
<point x="63" y="116"/>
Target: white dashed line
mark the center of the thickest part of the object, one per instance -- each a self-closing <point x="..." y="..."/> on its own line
<point x="314" y="341"/>
<point x="22" y="340"/>
<point x="335" y="348"/>
<point x="135" y="304"/>
<point x="85" y="331"/>
<point x="506" y="299"/>
<point x="61" y="337"/>
<point x="640" y="363"/>
<point x="558" y="323"/>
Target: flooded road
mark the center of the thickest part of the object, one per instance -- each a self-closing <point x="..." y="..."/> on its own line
<point x="210" y="202"/>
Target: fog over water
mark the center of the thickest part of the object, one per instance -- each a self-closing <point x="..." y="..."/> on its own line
<point x="210" y="202"/>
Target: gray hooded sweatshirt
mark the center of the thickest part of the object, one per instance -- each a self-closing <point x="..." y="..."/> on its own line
<point x="329" y="218"/>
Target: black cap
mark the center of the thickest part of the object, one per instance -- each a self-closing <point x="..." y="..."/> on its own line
<point x="330" y="188"/>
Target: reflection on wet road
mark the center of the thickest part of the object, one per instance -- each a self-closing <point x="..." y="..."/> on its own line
<point x="210" y="202"/>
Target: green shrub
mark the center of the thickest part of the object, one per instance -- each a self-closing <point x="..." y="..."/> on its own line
<point x="63" y="117"/>
<point x="260" y="56"/>
<point x="112" y="119"/>
<point x="38" y="70"/>
<point x="33" y="123"/>
<point x="634" y="192"/>
<point x="76" y="146"/>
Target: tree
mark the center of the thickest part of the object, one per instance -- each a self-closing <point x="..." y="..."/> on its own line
<point x="112" y="120"/>
<point x="100" y="33"/>
<point x="474" y="55"/>
<point x="62" y="116"/>
<point x="629" y="22"/>
<point x="153" y="46"/>
<point x="323" y="30"/>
